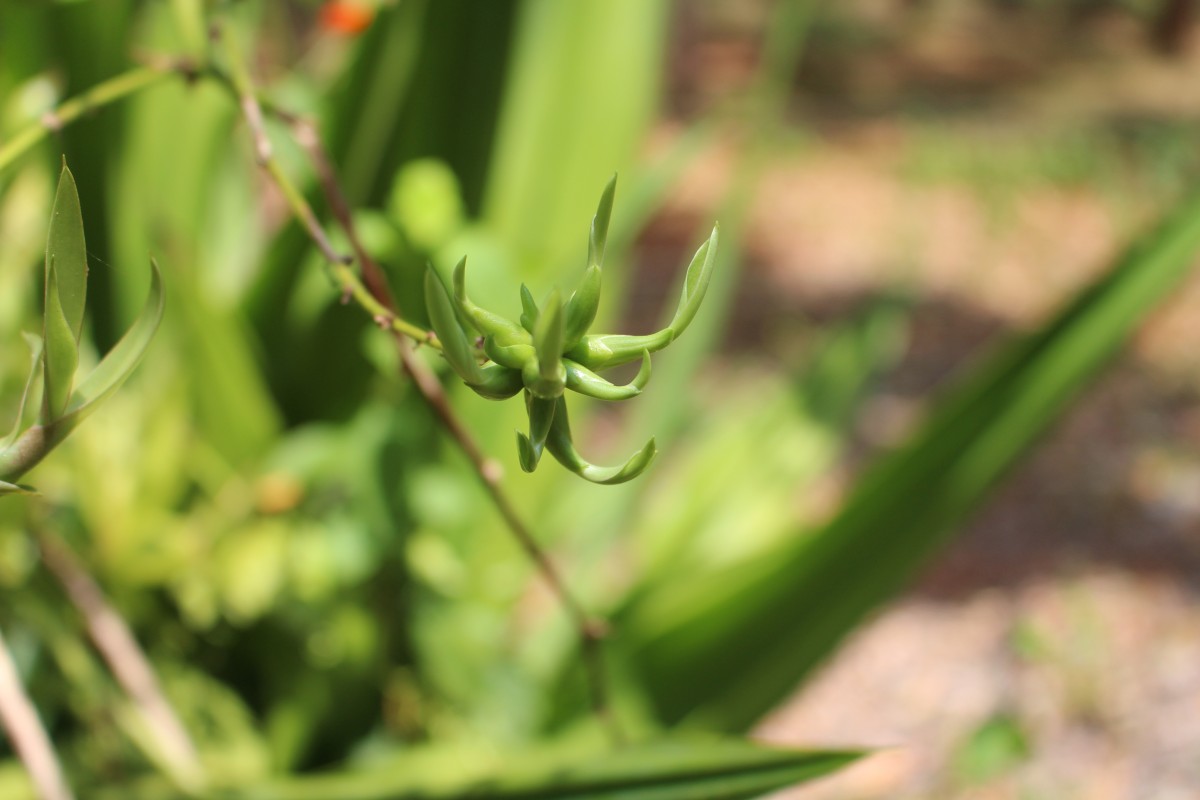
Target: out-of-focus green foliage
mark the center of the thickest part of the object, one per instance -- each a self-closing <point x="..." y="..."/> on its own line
<point x="319" y="580"/>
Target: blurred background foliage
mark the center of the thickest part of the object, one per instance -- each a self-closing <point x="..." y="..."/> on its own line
<point x="309" y="563"/>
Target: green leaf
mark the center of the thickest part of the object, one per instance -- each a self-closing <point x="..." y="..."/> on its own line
<point x="699" y="273"/>
<point x="61" y="356"/>
<point x="529" y="309"/>
<point x="118" y="364"/>
<point x="35" y="347"/>
<point x="583" y="380"/>
<point x="760" y="628"/>
<point x="599" y="231"/>
<point x="14" y="488"/>
<point x="562" y="448"/>
<point x="671" y="769"/>
<point x="548" y="338"/>
<point x="66" y="253"/>
<point x="455" y="345"/>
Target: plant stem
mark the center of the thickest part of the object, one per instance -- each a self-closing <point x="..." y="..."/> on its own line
<point x="26" y="734"/>
<point x="125" y="659"/>
<point x="109" y="91"/>
<point x="371" y="292"/>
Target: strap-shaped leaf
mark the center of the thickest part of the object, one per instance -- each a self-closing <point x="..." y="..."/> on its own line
<point x="583" y="380"/>
<point x="456" y="347"/>
<point x="67" y="252"/>
<point x="563" y="449"/>
<point x="678" y="768"/>
<point x="61" y="355"/>
<point x="119" y="363"/>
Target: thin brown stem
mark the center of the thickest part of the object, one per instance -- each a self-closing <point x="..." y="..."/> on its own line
<point x="373" y="294"/>
<point x="125" y="659"/>
<point x="26" y="734"/>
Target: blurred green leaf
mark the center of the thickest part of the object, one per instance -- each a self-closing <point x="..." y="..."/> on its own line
<point x="994" y="748"/>
<point x="66" y="253"/>
<point x="671" y="769"/>
<point x="66" y="292"/>
<point x="35" y="347"/>
<point x="118" y="364"/>
<point x="61" y="355"/>
<point x="14" y="488"/>
<point x="759" y="628"/>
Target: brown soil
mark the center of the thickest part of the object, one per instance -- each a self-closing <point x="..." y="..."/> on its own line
<point x="1069" y="606"/>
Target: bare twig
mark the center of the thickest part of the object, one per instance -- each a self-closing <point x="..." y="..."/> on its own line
<point x="372" y="293"/>
<point x="125" y="659"/>
<point x="26" y="733"/>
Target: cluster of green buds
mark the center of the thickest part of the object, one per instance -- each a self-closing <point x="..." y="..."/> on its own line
<point x="549" y="350"/>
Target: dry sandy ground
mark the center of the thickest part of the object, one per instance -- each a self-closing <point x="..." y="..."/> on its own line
<point x="1067" y="613"/>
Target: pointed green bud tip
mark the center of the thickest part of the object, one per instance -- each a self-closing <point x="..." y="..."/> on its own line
<point x="529" y="309"/>
<point x="460" y="279"/>
<point x="16" y="488"/>
<point x="526" y="453"/>
<point x="598" y="237"/>
<point x="695" y="284"/>
<point x="635" y="466"/>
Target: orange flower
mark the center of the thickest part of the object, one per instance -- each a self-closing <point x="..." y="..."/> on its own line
<point x="346" y="17"/>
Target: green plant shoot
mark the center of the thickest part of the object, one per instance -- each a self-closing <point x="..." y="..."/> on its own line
<point x="549" y="350"/>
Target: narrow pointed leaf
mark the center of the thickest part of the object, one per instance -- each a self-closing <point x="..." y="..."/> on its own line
<point x="527" y="454"/>
<point x="599" y="233"/>
<point x="14" y="488"/>
<point x="503" y="331"/>
<point x="667" y="769"/>
<point x="699" y="274"/>
<point x="548" y="338"/>
<point x="583" y="380"/>
<point x="529" y="309"/>
<point x="456" y="347"/>
<point x="612" y="350"/>
<point x="582" y="307"/>
<point x="563" y="449"/>
<point x="541" y="417"/>
<point x="61" y="356"/>
<point x="67" y="252"/>
<point x="119" y="363"/>
<point x="35" y="346"/>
